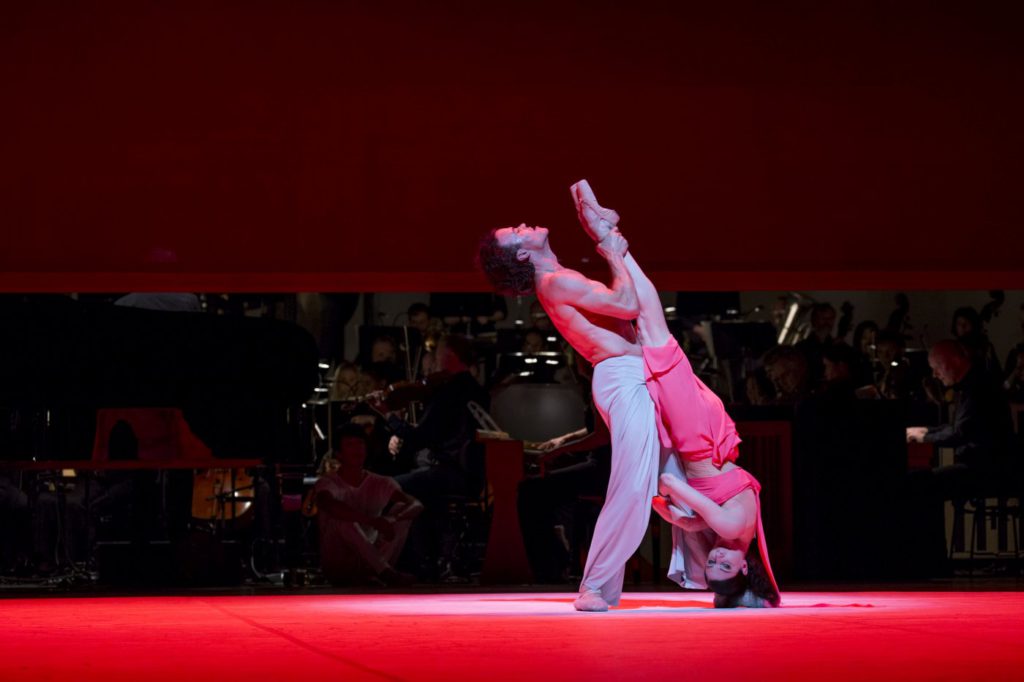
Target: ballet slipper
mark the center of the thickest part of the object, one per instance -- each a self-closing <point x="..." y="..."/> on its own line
<point x="589" y="600"/>
<point x="597" y="221"/>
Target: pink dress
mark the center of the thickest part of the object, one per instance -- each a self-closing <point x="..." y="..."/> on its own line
<point x="691" y="418"/>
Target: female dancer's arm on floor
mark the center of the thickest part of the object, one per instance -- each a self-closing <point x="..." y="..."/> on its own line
<point x="729" y="522"/>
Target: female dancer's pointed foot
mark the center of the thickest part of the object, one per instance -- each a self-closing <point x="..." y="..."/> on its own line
<point x="590" y="600"/>
<point x="596" y="220"/>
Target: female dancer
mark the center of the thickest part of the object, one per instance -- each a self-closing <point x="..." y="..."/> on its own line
<point x="723" y="534"/>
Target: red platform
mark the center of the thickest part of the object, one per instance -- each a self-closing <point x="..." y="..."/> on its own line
<point x="652" y="636"/>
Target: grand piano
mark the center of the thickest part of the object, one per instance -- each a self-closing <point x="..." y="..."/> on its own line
<point x="233" y="378"/>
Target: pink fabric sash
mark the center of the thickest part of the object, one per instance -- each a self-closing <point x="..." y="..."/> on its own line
<point x="724" y="487"/>
<point x="691" y="419"/>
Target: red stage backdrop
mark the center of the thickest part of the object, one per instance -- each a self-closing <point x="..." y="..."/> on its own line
<point x="365" y="146"/>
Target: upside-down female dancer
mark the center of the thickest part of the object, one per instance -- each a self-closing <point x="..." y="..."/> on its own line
<point x="723" y="535"/>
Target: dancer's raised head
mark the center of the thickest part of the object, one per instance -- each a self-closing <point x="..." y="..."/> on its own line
<point x="505" y="256"/>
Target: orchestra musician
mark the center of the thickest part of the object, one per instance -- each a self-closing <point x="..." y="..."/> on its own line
<point x="546" y="503"/>
<point x="453" y="462"/>
<point x="364" y="518"/>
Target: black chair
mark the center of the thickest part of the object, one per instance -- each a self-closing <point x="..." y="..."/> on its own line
<point x="463" y="537"/>
<point x="996" y="506"/>
<point x="1002" y="514"/>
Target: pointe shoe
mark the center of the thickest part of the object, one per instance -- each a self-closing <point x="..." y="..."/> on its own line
<point x="590" y="601"/>
<point x="596" y="220"/>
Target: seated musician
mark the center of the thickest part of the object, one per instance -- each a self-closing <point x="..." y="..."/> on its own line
<point x="981" y="436"/>
<point x="453" y="465"/>
<point x="547" y="503"/>
<point x="364" y="518"/>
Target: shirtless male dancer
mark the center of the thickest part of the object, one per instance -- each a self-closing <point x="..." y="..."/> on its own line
<point x="597" y="321"/>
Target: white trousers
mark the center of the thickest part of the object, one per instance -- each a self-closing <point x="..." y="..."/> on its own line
<point x="621" y="397"/>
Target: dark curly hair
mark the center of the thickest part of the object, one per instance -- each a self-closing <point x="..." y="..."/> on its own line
<point x="507" y="274"/>
<point x="753" y="590"/>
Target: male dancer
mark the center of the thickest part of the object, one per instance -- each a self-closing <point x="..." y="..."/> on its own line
<point x="596" y="321"/>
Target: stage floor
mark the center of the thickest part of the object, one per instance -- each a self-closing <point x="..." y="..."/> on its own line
<point x="525" y="636"/>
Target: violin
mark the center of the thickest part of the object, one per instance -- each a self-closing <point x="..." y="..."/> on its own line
<point x="401" y="394"/>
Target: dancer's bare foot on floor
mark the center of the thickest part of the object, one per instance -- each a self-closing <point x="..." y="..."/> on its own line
<point x="596" y="220"/>
<point x="590" y="601"/>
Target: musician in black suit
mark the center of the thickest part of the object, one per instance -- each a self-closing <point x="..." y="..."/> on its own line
<point x="981" y="435"/>
<point x="452" y="463"/>
<point x="547" y="503"/>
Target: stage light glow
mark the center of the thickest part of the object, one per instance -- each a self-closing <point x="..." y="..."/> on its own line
<point x="512" y="636"/>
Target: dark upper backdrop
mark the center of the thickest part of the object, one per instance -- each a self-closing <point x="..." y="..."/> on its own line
<point x="365" y="146"/>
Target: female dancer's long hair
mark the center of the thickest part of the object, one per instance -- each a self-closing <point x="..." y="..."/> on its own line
<point x="753" y="590"/>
